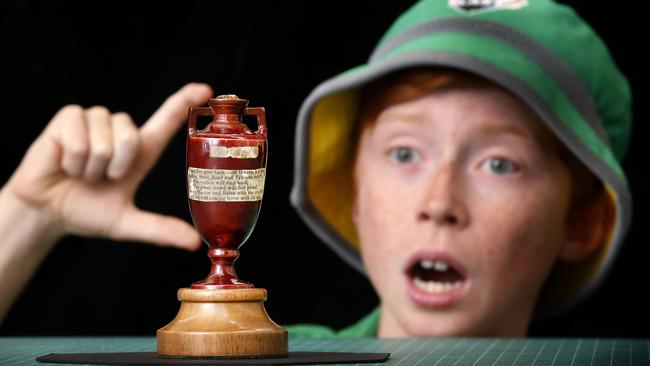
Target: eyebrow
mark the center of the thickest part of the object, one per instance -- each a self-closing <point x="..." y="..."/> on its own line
<point x="509" y="129"/>
<point x="532" y="138"/>
<point x="486" y="129"/>
<point x="410" y="118"/>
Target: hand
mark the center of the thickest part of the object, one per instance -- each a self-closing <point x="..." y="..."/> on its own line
<point x="82" y="172"/>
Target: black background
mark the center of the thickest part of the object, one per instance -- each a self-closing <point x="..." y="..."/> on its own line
<point x="130" y="57"/>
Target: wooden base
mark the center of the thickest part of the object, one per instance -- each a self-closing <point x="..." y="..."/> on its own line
<point x="222" y="324"/>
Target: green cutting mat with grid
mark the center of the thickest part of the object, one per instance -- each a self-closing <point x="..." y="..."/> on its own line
<point x="460" y="351"/>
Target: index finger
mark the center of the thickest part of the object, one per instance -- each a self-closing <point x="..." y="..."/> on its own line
<point x="156" y="133"/>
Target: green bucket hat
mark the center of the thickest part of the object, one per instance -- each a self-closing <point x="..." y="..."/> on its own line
<point x="541" y="51"/>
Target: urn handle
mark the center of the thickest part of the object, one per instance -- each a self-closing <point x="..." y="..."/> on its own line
<point x="260" y="113"/>
<point x="195" y="112"/>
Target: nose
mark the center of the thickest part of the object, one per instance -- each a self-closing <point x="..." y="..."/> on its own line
<point x="443" y="202"/>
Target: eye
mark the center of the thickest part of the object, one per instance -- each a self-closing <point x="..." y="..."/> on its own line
<point x="404" y="155"/>
<point x="500" y="166"/>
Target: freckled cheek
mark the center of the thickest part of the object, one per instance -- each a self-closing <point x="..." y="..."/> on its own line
<point x="385" y="206"/>
<point x="519" y="242"/>
<point x="383" y="219"/>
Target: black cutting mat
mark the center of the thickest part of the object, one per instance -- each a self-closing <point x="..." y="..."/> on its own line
<point x="151" y="358"/>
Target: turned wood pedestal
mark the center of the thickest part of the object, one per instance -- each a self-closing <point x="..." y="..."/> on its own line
<point x="222" y="324"/>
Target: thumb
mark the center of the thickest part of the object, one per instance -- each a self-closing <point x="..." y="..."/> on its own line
<point x="149" y="227"/>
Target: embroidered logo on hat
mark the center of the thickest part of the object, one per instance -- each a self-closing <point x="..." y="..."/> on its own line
<point x="479" y="6"/>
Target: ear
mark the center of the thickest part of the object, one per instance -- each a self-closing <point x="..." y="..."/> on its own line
<point x="588" y="224"/>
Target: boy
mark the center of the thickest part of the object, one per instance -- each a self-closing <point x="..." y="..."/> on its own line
<point x="472" y="166"/>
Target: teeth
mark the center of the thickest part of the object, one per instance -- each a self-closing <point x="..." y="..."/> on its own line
<point x="436" y="287"/>
<point x="426" y="263"/>
<point x="439" y="266"/>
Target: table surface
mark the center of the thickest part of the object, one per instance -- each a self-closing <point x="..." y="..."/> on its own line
<point x="459" y="351"/>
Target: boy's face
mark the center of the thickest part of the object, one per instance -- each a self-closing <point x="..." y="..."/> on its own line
<point x="460" y="208"/>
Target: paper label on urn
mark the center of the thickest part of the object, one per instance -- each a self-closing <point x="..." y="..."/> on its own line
<point x="222" y="185"/>
<point x="235" y="152"/>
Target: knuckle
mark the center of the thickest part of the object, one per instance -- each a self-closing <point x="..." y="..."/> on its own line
<point x="70" y="113"/>
<point x="71" y="109"/>
<point x="101" y="151"/>
<point x="128" y="140"/>
<point x="122" y="116"/>
<point x="124" y="131"/>
<point x="98" y="110"/>
<point x="123" y="121"/>
<point x="77" y="151"/>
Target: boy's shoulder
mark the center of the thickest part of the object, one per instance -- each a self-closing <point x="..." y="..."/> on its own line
<point x="365" y="327"/>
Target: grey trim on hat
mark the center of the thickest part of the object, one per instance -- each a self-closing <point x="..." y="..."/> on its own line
<point x="299" y="197"/>
<point x="553" y="65"/>
<point x="299" y="194"/>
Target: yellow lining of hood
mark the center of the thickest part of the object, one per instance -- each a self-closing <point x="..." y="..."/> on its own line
<point x="331" y="158"/>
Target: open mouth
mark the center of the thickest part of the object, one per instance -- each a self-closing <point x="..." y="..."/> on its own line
<point x="435" y="279"/>
<point x="435" y="276"/>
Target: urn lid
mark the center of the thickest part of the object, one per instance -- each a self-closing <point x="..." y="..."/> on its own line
<point x="228" y="110"/>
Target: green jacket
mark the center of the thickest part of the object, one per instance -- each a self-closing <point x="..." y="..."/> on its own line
<point x="366" y="327"/>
